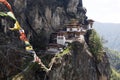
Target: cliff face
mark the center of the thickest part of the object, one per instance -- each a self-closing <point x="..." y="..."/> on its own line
<point x="50" y="15"/>
<point x="42" y="17"/>
<point x="81" y="64"/>
<point x="42" y="13"/>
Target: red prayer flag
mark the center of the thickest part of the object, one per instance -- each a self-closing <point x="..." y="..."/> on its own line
<point x="6" y="4"/>
<point x="23" y="36"/>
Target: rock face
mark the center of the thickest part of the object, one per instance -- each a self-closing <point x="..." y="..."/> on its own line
<point x="77" y="66"/>
<point x="81" y="65"/>
<point x="44" y="13"/>
<point x="41" y="17"/>
<point x="34" y="15"/>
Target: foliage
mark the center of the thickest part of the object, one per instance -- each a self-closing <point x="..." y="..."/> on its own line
<point x="95" y="44"/>
<point x="66" y="51"/>
<point x="114" y="58"/>
<point x="115" y="75"/>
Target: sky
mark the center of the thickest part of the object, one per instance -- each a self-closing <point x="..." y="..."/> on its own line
<point x="107" y="11"/>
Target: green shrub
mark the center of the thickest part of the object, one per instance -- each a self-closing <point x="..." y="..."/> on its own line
<point x="115" y="75"/>
<point x="95" y="44"/>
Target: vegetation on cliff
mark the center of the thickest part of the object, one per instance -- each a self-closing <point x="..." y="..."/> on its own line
<point x="95" y="44"/>
<point x="114" y="59"/>
<point x="115" y="75"/>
